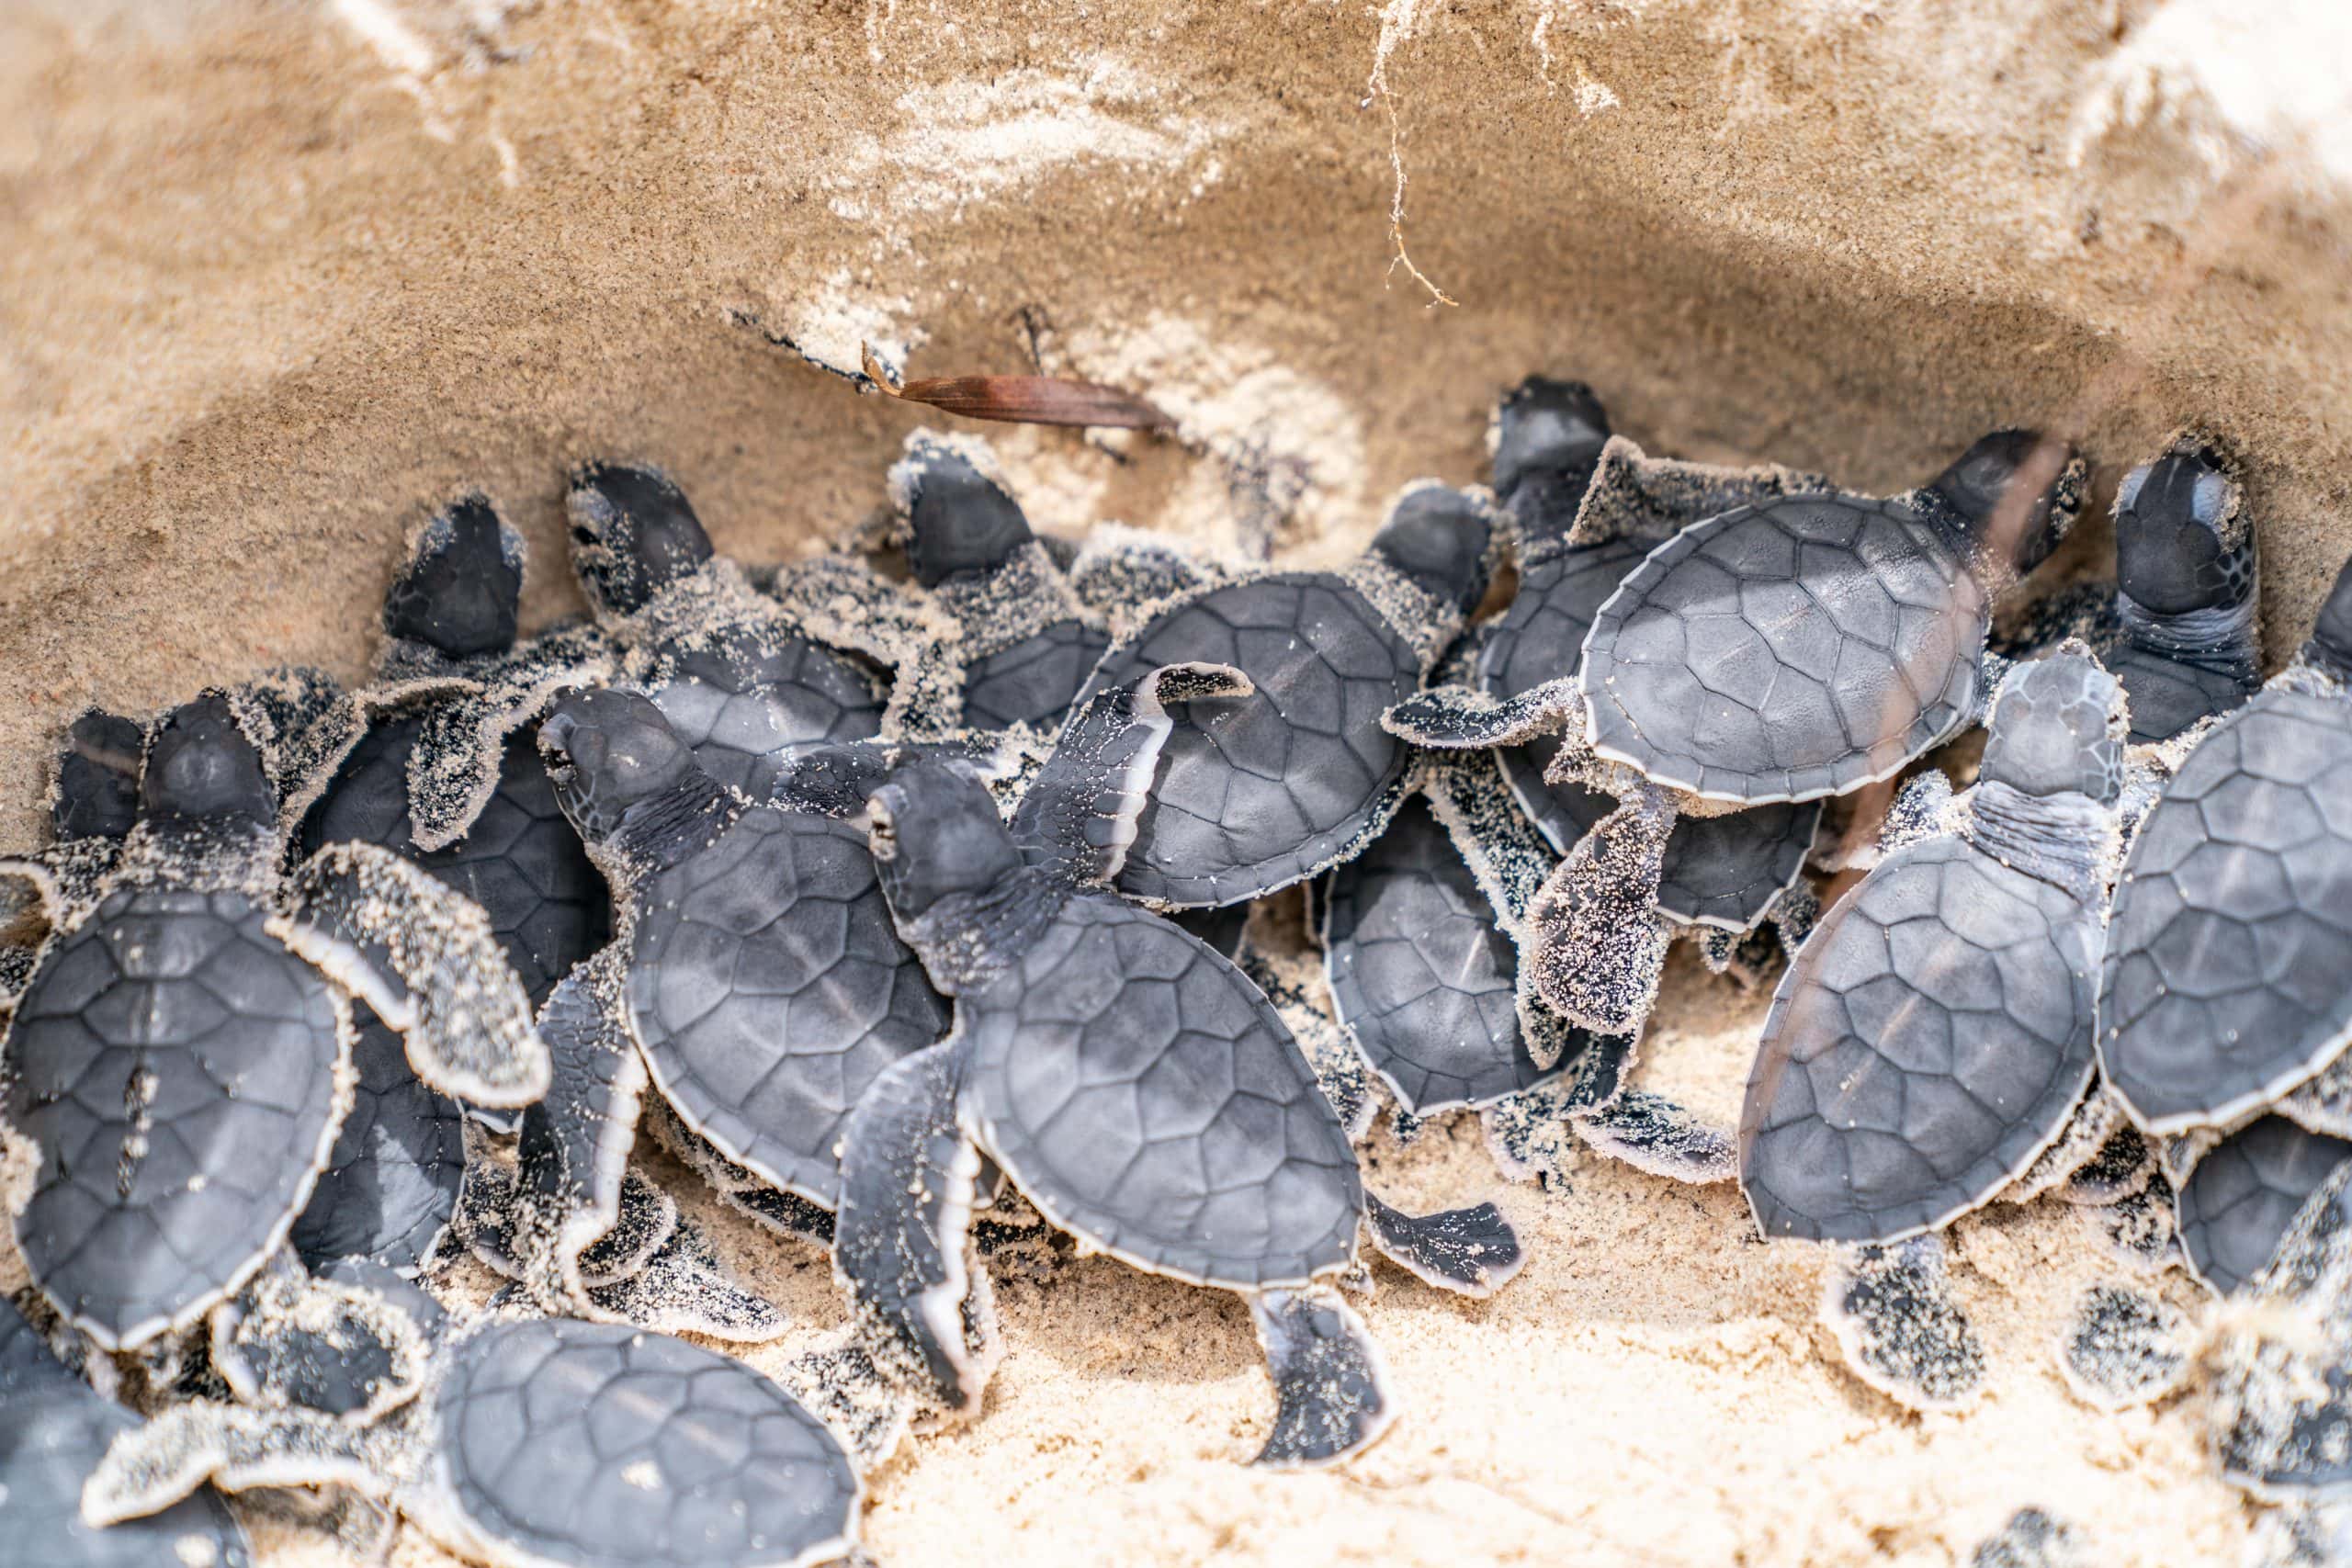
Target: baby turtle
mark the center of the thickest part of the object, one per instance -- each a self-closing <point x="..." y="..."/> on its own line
<point x="1130" y="1083"/>
<point x="1550" y="437"/>
<point x="178" y="1058"/>
<point x="2188" y="586"/>
<point x="758" y="972"/>
<point x="2246" y="1191"/>
<point x="741" y="676"/>
<point x="542" y="1441"/>
<point x="1783" y="651"/>
<point x="2232" y="926"/>
<point x="55" y="1432"/>
<point x="1023" y="644"/>
<point x="1935" y="1033"/>
<point x="1268" y="789"/>
<point x="1421" y="939"/>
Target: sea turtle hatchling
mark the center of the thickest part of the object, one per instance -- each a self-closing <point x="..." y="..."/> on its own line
<point x="754" y="967"/>
<point x="53" y="1432"/>
<point x="2187" y="588"/>
<point x="179" y="1061"/>
<point x="1552" y="451"/>
<point x="536" y="1442"/>
<point x="741" y="675"/>
<point x="1023" y="643"/>
<point x="1259" y="792"/>
<point x="1790" y="650"/>
<point x="1129" y="1082"/>
<point x="452" y="677"/>
<point x="1936" y="1032"/>
<point x="2223" y="983"/>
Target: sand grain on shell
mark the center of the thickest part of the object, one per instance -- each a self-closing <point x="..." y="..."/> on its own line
<point x="274" y="283"/>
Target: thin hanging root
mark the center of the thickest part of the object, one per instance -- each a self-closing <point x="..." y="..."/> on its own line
<point x="1023" y="400"/>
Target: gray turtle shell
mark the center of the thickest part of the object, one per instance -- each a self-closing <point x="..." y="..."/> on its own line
<point x="769" y="989"/>
<point x="51" y="1439"/>
<point x="605" y="1446"/>
<point x="519" y="859"/>
<point x="1929" y="1039"/>
<point x="746" y="696"/>
<point x="1419" y="971"/>
<point x="1256" y="793"/>
<point x="1719" y="871"/>
<point x="179" y="1001"/>
<point x="390" y="1186"/>
<point x="2236" y="1205"/>
<point x="1788" y="651"/>
<point x="2232" y="927"/>
<point x="1035" y="680"/>
<point x="1147" y="1097"/>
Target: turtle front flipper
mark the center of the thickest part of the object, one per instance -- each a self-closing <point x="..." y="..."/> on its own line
<point x="1079" y="818"/>
<point x="1601" y="944"/>
<point x="1472" y="1252"/>
<point x="1461" y="718"/>
<point x="424" y="957"/>
<point x="908" y="1177"/>
<point x="353" y="1348"/>
<point x="1654" y="1133"/>
<point x="235" y="1447"/>
<point x="683" y="1288"/>
<point x="1332" y="1396"/>
<point x="1632" y="496"/>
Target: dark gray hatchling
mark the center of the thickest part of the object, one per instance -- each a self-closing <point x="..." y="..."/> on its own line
<point x="2223" y="988"/>
<point x="180" y="1062"/>
<point x="530" y="1442"/>
<point x="1552" y="453"/>
<point x="1013" y="645"/>
<point x="754" y="968"/>
<point x="2243" y="1193"/>
<point x="451" y="712"/>
<point x="1935" y="1033"/>
<point x="742" y="676"/>
<point x="1140" y="1091"/>
<point x="1783" y="651"/>
<point x="55" y="1430"/>
<point x="1256" y="793"/>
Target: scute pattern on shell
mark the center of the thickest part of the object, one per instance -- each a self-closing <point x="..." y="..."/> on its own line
<point x="1255" y="793"/>
<point x="2233" y="925"/>
<point x="2246" y="1191"/>
<point x="1790" y="651"/>
<point x="746" y="694"/>
<point x="595" y="1445"/>
<point x="176" y="1064"/>
<point x="1930" y="1039"/>
<point x="1035" y="680"/>
<point x="1421" y="972"/>
<point x="1147" y="1097"/>
<point x="769" y="988"/>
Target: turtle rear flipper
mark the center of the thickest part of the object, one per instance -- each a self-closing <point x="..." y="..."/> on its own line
<point x="424" y="957"/>
<point x="1891" y="1312"/>
<point x="1472" y="1252"/>
<point x="1600" y="945"/>
<point x="2122" y="1347"/>
<point x="685" y="1288"/>
<point x="1079" y="818"/>
<point x="908" y="1176"/>
<point x="1332" y="1396"/>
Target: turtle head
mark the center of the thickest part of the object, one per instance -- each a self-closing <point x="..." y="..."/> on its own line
<point x="610" y="750"/>
<point x="2332" y="632"/>
<point x="97" y="778"/>
<point x="2182" y="542"/>
<point x="1547" y="440"/>
<point x="633" y="533"/>
<point x="2058" y="726"/>
<point x="1439" y="537"/>
<point x="2017" y="493"/>
<point x="462" y="586"/>
<point x="201" y="763"/>
<point x="960" y="521"/>
<point x="936" y="834"/>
